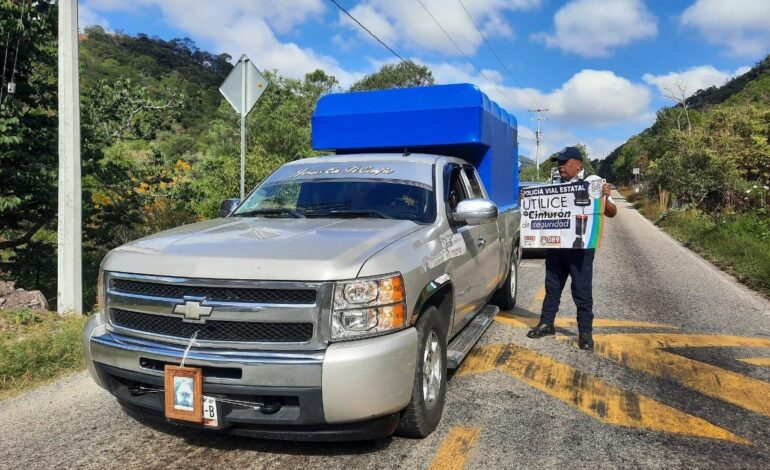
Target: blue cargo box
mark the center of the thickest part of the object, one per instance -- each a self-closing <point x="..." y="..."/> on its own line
<point x="454" y="120"/>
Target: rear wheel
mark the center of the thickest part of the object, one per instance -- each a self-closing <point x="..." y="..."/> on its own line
<point x="505" y="297"/>
<point x="424" y="411"/>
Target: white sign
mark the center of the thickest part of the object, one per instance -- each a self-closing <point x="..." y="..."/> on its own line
<point x="636" y="171"/>
<point x="562" y="215"/>
<point x="253" y="84"/>
<point x="242" y="88"/>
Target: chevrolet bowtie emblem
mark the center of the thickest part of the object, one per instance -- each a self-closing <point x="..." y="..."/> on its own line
<point x="193" y="311"/>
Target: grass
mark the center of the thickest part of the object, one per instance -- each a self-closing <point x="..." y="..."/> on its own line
<point x="36" y="348"/>
<point x="737" y="243"/>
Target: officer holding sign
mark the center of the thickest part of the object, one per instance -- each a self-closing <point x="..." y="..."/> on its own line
<point x="574" y="263"/>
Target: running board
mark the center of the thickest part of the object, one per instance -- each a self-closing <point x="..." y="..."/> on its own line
<point x="467" y="338"/>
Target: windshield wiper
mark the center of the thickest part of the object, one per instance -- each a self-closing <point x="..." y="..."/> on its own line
<point x="360" y="213"/>
<point x="326" y="205"/>
<point x="271" y="211"/>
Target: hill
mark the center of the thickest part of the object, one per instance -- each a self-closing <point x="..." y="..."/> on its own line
<point x="724" y="128"/>
<point x="751" y="87"/>
<point x="162" y="67"/>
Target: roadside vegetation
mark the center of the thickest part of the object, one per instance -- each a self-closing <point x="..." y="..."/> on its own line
<point x="705" y="173"/>
<point x="37" y="347"/>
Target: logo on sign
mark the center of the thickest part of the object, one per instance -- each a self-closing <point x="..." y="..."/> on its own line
<point x="529" y="240"/>
<point x="547" y="240"/>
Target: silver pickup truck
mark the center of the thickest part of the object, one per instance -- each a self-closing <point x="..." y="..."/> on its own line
<point x="331" y="302"/>
<point x="328" y="304"/>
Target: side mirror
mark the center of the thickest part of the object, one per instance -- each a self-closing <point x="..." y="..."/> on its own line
<point x="228" y="206"/>
<point x="474" y="212"/>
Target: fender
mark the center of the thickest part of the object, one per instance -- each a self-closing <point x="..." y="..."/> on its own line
<point x="515" y="248"/>
<point x="432" y="293"/>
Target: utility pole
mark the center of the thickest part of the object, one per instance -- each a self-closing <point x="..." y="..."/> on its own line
<point x="70" y="277"/>
<point x="537" y="137"/>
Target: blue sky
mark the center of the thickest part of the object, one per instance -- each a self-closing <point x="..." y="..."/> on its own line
<point x="601" y="67"/>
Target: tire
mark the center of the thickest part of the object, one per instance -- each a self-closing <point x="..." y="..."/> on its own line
<point x="424" y="411"/>
<point x="505" y="297"/>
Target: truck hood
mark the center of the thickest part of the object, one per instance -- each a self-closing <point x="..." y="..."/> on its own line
<point x="260" y="248"/>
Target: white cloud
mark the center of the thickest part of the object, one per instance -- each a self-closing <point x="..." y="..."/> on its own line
<point x="88" y="17"/>
<point x="600" y="147"/>
<point x="590" y="98"/>
<point x="592" y="28"/>
<point x="743" y="26"/>
<point x="599" y="97"/>
<point x="693" y="79"/>
<point x="406" y="25"/>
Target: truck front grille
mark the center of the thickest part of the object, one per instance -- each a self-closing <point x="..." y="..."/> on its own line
<point x="217" y="294"/>
<point x="213" y="330"/>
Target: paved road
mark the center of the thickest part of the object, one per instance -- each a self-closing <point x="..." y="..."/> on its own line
<point x="680" y="378"/>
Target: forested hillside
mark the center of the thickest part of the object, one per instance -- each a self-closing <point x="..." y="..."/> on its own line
<point x="710" y="152"/>
<point x="160" y="147"/>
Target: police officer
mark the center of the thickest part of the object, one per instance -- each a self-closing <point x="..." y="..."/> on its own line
<point x="568" y="262"/>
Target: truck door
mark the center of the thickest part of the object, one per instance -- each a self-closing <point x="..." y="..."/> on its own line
<point x="469" y="247"/>
<point x="486" y="246"/>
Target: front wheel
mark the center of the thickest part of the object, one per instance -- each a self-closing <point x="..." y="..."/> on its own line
<point x="424" y="411"/>
<point x="505" y="298"/>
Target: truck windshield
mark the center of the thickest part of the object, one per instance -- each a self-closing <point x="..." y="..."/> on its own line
<point x="403" y="200"/>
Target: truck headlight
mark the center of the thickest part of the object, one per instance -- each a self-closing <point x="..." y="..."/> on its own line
<point x="368" y="307"/>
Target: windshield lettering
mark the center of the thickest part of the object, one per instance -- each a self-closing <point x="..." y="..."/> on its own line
<point x="351" y="170"/>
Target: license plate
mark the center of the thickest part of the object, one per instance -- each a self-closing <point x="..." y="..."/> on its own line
<point x="210" y="411"/>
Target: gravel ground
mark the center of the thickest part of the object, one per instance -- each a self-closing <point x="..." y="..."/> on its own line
<point x="641" y="274"/>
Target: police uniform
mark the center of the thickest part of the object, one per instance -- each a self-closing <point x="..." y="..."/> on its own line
<point x="578" y="265"/>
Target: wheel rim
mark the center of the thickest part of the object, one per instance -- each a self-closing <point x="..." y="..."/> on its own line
<point x="513" y="280"/>
<point x="431" y="370"/>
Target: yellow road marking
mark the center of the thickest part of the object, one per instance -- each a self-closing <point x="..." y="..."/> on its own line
<point x="513" y="321"/>
<point x="455" y="448"/>
<point x="596" y="398"/>
<point x="757" y="361"/>
<point x="644" y="352"/>
<point x="521" y="321"/>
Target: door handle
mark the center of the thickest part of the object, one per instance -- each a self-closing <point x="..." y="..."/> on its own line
<point x="481" y="242"/>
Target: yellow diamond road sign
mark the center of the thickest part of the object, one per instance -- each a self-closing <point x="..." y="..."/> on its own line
<point x="244" y="81"/>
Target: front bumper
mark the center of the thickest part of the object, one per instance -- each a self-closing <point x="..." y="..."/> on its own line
<point x="320" y="393"/>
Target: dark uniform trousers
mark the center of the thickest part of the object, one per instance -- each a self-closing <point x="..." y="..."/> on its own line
<point x="579" y="265"/>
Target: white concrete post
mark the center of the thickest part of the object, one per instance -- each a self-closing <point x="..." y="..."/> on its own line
<point x="70" y="276"/>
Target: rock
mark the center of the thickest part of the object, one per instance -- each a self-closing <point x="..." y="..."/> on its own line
<point x="20" y="298"/>
<point x="6" y="287"/>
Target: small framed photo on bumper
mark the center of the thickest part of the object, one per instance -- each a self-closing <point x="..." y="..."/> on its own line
<point x="184" y="393"/>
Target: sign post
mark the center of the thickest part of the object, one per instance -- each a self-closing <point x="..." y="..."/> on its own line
<point x="242" y="88"/>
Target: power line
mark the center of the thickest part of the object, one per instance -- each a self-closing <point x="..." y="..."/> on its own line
<point x="409" y="63"/>
<point x="497" y="56"/>
<point x="461" y="51"/>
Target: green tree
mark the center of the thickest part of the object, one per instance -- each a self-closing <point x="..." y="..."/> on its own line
<point x="529" y="173"/>
<point x="399" y="75"/>
<point x="28" y="139"/>
<point x="278" y="130"/>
